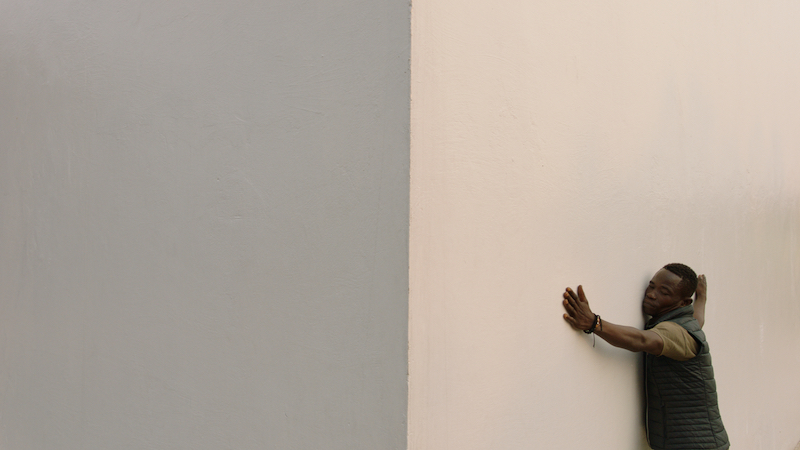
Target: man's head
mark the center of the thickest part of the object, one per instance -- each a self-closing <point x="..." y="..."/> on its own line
<point x="671" y="288"/>
<point x="688" y="278"/>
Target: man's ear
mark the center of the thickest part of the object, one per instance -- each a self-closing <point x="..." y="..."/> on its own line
<point x="687" y="301"/>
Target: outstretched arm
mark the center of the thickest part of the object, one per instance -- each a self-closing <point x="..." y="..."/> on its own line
<point x="581" y="317"/>
<point x="700" y="300"/>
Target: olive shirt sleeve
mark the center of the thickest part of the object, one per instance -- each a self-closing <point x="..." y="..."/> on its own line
<point x="678" y="343"/>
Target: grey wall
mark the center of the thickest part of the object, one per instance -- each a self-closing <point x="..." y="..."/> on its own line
<point x="203" y="224"/>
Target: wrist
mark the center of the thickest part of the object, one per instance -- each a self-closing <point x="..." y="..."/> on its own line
<point x="596" y="325"/>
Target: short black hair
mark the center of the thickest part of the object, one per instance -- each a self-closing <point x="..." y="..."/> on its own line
<point x="688" y="282"/>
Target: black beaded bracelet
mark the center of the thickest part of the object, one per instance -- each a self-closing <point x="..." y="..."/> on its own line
<point x="594" y="325"/>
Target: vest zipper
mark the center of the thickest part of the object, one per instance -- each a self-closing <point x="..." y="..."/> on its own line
<point x="646" y="403"/>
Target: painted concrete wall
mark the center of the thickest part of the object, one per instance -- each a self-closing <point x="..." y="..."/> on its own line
<point x="203" y="224"/>
<point x="555" y="143"/>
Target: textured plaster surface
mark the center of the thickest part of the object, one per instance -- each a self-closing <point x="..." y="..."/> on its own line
<point x="203" y="224"/>
<point x="556" y="143"/>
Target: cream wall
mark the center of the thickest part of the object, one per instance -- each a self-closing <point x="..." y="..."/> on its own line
<point x="203" y="224"/>
<point x="555" y="143"/>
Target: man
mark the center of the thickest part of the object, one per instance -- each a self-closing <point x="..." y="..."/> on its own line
<point x="680" y="392"/>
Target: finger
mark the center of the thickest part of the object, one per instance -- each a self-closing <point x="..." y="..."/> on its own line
<point x="581" y="295"/>
<point x="570" y="308"/>
<point x="572" y="294"/>
<point x="571" y="321"/>
<point x="572" y="301"/>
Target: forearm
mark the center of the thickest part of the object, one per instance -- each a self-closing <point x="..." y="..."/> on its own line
<point x="700" y="310"/>
<point x="700" y="300"/>
<point x="630" y="338"/>
<point x="581" y="317"/>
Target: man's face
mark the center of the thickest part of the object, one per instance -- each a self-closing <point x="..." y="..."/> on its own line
<point x="663" y="294"/>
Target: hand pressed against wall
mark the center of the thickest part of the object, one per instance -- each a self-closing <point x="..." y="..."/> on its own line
<point x="579" y="315"/>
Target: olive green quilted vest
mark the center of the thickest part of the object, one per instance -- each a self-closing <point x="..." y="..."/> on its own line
<point x="681" y="396"/>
